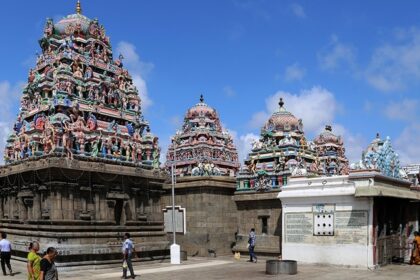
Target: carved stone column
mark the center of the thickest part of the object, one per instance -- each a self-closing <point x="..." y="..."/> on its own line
<point x="71" y="204"/>
<point x="57" y="198"/>
<point x="36" y="208"/>
<point x="1" y="207"/>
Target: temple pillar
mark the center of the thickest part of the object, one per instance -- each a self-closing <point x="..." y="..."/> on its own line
<point x="56" y="202"/>
<point x="97" y="207"/>
<point x="11" y="204"/>
<point x="36" y="208"/>
<point x="71" y="204"/>
<point x="132" y="203"/>
<point x="1" y="207"/>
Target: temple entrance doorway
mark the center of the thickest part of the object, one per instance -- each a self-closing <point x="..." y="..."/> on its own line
<point x="119" y="203"/>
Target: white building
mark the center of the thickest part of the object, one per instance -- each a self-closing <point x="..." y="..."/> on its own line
<point x="361" y="220"/>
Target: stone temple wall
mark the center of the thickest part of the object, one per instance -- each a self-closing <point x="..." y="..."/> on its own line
<point x="211" y="217"/>
<point x="252" y="209"/>
<point x="83" y="209"/>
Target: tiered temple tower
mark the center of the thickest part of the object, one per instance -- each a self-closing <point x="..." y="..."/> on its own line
<point x="203" y="147"/>
<point x="381" y="156"/>
<point x="281" y="151"/>
<point x="81" y="163"/>
<point x="331" y="154"/>
<point x="81" y="102"/>
<point x="205" y="164"/>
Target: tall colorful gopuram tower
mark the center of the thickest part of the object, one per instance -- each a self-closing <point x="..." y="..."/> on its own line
<point x="203" y="147"/>
<point x="80" y="102"/>
<point x="81" y="164"/>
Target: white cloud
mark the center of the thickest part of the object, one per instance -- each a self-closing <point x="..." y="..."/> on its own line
<point x="317" y="107"/>
<point x="396" y="64"/>
<point x="405" y="110"/>
<point x="298" y="10"/>
<point x="294" y="72"/>
<point x="176" y="121"/>
<point x="406" y="144"/>
<point x="229" y="91"/>
<point x="243" y="143"/>
<point x="316" y="101"/>
<point x="138" y="70"/>
<point x="258" y="119"/>
<point x="336" y="54"/>
<point x="10" y="96"/>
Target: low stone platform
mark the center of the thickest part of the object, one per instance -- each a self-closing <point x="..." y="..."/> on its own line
<point x="228" y="268"/>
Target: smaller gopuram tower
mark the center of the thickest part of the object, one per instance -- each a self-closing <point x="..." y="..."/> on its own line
<point x="331" y="154"/>
<point x="203" y="147"/>
<point x="205" y="165"/>
<point x="281" y="151"/>
<point x="380" y="155"/>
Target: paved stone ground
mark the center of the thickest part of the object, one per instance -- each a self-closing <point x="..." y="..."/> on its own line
<point x="228" y="268"/>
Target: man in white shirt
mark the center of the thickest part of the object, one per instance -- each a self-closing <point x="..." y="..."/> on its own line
<point x="127" y="250"/>
<point x="6" y="251"/>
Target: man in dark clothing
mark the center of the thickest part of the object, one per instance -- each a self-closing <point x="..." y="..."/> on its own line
<point x="251" y="244"/>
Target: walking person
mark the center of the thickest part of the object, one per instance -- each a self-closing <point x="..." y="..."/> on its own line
<point x="34" y="262"/>
<point x="251" y="246"/>
<point x="415" y="254"/>
<point x="127" y="249"/>
<point x="6" y="253"/>
<point x="48" y="268"/>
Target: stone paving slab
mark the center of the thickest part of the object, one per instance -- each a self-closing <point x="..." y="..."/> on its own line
<point x="228" y="268"/>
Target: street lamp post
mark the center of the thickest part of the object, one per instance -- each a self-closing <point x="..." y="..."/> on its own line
<point x="175" y="248"/>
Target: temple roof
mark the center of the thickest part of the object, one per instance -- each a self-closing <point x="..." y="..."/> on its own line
<point x="381" y="155"/>
<point x="202" y="142"/>
<point x="328" y="137"/>
<point x="283" y="120"/>
<point x="80" y="101"/>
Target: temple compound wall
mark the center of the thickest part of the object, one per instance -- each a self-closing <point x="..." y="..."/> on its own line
<point x="211" y="220"/>
<point x="263" y="213"/>
<point x="82" y="208"/>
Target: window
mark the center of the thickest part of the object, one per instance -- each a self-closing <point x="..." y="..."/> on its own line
<point x="264" y="225"/>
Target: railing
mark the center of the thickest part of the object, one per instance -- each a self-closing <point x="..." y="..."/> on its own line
<point x="392" y="248"/>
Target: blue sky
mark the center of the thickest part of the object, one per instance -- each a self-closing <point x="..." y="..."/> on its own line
<point x="352" y="64"/>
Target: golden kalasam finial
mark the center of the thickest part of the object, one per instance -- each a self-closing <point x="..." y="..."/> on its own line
<point x="78" y="7"/>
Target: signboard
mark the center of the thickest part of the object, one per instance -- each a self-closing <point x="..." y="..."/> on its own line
<point x="298" y="227"/>
<point x="346" y="227"/>
<point x="180" y="222"/>
<point x="351" y="227"/>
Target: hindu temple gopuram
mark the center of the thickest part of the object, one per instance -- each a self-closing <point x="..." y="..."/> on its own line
<point x="81" y="161"/>
<point x="203" y="147"/>
<point x="282" y="152"/>
<point x="381" y="156"/>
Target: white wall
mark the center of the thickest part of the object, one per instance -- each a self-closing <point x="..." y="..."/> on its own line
<point x="350" y="245"/>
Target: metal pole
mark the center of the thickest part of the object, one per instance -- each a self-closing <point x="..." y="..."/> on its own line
<point x="173" y="193"/>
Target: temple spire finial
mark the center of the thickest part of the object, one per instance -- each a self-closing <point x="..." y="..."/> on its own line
<point x="78" y="7"/>
<point x="201" y="98"/>
<point x="281" y="103"/>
